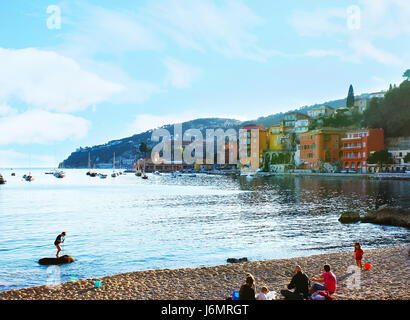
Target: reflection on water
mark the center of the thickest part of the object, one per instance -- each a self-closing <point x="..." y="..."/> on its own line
<point x="127" y="224"/>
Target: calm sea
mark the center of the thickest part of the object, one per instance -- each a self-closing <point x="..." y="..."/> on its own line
<point x="124" y="224"/>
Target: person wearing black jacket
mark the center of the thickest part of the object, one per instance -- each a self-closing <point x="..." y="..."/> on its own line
<point x="247" y="290"/>
<point x="300" y="282"/>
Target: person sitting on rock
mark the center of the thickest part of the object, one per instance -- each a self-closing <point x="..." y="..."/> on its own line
<point x="300" y="282"/>
<point x="60" y="239"/>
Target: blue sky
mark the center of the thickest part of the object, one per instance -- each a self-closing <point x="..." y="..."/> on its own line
<point x="109" y="69"/>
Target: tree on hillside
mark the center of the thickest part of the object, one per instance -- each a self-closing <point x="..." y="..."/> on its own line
<point x="350" y="98"/>
<point x="407" y="158"/>
<point x="406" y="74"/>
<point x="380" y="157"/>
<point x="391" y="113"/>
<point x="144" y="149"/>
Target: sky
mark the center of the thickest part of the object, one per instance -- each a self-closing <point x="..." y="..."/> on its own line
<point x="82" y="73"/>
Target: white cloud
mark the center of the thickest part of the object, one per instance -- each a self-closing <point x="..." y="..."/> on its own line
<point x="365" y="49"/>
<point x="39" y="126"/>
<point x="201" y="24"/>
<point x="319" y="22"/>
<point x="319" y="53"/>
<point x="180" y="75"/>
<point x="13" y="159"/>
<point x="6" y="110"/>
<point x="97" y="29"/>
<point x="47" y="80"/>
<point x="378" y="19"/>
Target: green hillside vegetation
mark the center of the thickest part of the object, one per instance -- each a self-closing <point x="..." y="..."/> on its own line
<point x="345" y="120"/>
<point x="391" y="113"/>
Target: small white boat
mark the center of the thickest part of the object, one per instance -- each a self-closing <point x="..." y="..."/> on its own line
<point x="157" y="173"/>
<point x="102" y="176"/>
<point x="192" y="175"/>
<point x="59" y="174"/>
<point x="28" y="177"/>
<point x="114" y="174"/>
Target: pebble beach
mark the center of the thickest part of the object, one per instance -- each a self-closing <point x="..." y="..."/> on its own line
<point x="388" y="279"/>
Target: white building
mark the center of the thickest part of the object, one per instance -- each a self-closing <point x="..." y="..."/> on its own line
<point x="302" y="126"/>
<point x="323" y="110"/>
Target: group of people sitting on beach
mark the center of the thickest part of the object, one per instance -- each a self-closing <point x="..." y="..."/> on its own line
<point x="320" y="288"/>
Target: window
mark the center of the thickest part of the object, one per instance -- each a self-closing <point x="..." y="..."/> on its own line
<point x="364" y="144"/>
<point x="364" y="154"/>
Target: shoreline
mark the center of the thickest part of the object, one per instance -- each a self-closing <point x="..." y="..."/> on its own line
<point x="387" y="279"/>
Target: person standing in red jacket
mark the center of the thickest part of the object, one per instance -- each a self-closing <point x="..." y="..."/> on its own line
<point x="358" y="255"/>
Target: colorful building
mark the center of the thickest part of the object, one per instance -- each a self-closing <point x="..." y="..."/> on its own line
<point x="320" y="146"/>
<point x="276" y="134"/>
<point x="252" y="143"/>
<point x="399" y="148"/>
<point x="357" y="145"/>
<point x="323" y="110"/>
<point x="290" y="118"/>
<point x="302" y="126"/>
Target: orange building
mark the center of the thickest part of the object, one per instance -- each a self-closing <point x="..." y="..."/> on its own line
<point x="357" y="146"/>
<point x="252" y="142"/>
<point x="321" y="145"/>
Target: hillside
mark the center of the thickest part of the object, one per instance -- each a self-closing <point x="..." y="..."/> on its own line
<point x="127" y="149"/>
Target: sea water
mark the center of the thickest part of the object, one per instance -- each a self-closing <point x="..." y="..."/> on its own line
<point x="126" y="223"/>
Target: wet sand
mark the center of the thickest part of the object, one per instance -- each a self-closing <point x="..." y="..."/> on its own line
<point x="388" y="279"/>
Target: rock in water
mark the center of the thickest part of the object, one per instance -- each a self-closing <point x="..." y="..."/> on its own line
<point x="234" y="260"/>
<point x="349" y="217"/>
<point x="393" y="216"/>
<point x="56" y="261"/>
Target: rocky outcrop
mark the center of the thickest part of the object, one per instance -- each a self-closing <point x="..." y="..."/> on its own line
<point x="386" y="215"/>
<point x="56" y="261"/>
<point x="349" y="217"/>
<point x="234" y="260"/>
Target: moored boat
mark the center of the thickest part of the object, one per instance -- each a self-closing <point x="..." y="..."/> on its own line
<point x="2" y="180"/>
<point x="28" y="177"/>
<point x="59" y="174"/>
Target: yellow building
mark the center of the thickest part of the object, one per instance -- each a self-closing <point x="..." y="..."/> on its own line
<point x="252" y="144"/>
<point x="275" y="136"/>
